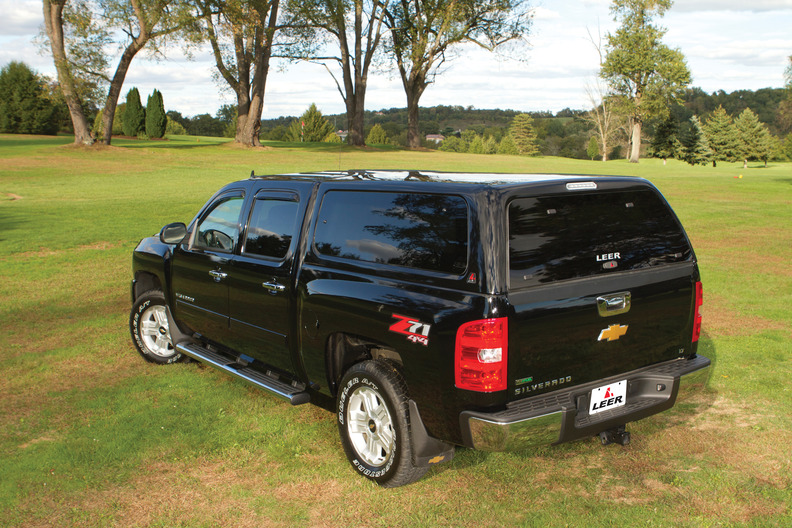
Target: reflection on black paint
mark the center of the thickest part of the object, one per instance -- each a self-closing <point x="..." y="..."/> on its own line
<point x="426" y="231"/>
<point x="560" y="237"/>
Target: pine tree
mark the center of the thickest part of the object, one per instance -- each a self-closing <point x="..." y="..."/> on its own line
<point x="377" y="136"/>
<point x="311" y="127"/>
<point x="156" y="121"/>
<point x="695" y="144"/>
<point x="507" y="145"/>
<point x="134" y="118"/>
<point x="522" y="133"/>
<point x="665" y="143"/>
<point x="593" y="148"/>
<point x="723" y="138"/>
<point x="24" y="106"/>
<point x="753" y="137"/>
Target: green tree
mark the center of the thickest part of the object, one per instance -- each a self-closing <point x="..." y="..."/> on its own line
<point x="174" y="128"/>
<point x="422" y="31"/>
<point x="453" y="144"/>
<point x="377" y="136"/>
<point x="355" y="26"/>
<point x="665" y="143"/>
<point x="490" y="145"/>
<point x="79" y="33"/>
<point x="723" y="138"/>
<point x="24" y="106"/>
<point x="522" y="132"/>
<point x="156" y="120"/>
<point x="644" y="74"/>
<point x="695" y="144"/>
<point x="242" y="36"/>
<point x="507" y="145"/>
<point x="118" y="128"/>
<point x="476" y="146"/>
<point x="593" y="148"/>
<point x="311" y="127"/>
<point x="332" y="137"/>
<point x="751" y="134"/>
<point x="134" y="118"/>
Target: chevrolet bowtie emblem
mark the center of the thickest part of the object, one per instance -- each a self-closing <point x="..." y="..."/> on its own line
<point x="613" y="332"/>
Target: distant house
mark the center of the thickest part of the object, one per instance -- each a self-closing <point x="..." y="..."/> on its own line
<point x="436" y="138"/>
<point x="343" y="134"/>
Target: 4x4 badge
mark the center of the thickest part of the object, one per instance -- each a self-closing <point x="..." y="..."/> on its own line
<point x="613" y="332"/>
<point x="416" y="331"/>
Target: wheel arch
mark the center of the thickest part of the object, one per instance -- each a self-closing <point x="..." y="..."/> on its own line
<point x="343" y="350"/>
<point x="145" y="281"/>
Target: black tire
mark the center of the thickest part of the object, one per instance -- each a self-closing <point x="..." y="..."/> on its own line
<point x="150" y="331"/>
<point x="373" y="421"/>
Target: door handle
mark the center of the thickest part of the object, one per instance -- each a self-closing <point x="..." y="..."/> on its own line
<point x="273" y="287"/>
<point x="614" y="304"/>
<point x="218" y="275"/>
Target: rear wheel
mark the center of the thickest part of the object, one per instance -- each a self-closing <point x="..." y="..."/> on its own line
<point x="148" y="323"/>
<point x="373" y="421"/>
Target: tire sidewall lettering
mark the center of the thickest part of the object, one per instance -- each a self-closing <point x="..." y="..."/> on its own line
<point x="360" y="466"/>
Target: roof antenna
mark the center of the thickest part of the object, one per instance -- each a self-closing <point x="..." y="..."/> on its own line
<point x="253" y="173"/>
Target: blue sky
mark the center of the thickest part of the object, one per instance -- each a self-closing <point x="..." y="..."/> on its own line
<point x="729" y="45"/>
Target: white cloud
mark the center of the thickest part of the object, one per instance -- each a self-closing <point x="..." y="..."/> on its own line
<point x="20" y="17"/>
<point x="731" y="5"/>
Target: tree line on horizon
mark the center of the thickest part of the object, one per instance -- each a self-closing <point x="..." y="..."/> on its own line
<point x="638" y="96"/>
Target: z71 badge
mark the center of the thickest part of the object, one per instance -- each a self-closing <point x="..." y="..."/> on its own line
<point x="416" y="331"/>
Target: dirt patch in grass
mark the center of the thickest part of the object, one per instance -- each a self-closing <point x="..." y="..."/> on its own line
<point x="721" y="320"/>
<point x="205" y="493"/>
<point x="43" y="252"/>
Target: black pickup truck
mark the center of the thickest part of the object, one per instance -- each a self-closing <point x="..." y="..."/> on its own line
<point x="493" y="311"/>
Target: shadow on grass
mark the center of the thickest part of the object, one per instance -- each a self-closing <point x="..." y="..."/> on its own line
<point x="14" y="141"/>
<point x="176" y="143"/>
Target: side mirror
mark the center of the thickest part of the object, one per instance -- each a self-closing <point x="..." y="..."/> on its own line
<point x="173" y="233"/>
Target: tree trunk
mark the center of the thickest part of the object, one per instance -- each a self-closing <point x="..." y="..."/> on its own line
<point x="250" y="107"/>
<point x="635" y="151"/>
<point x="53" y="21"/>
<point x="413" y="130"/>
<point x="355" y="117"/>
<point x="117" y="83"/>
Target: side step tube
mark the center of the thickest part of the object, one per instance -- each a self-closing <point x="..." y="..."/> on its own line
<point x="294" y="395"/>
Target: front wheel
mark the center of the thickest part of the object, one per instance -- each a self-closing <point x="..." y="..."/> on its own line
<point x="148" y="323"/>
<point x="373" y="421"/>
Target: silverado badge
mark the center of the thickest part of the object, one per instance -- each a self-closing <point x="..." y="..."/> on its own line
<point x="613" y="332"/>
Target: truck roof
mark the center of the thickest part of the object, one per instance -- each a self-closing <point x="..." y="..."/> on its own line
<point x="475" y="178"/>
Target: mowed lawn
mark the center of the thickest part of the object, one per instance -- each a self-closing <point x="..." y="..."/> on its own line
<point x="91" y="435"/>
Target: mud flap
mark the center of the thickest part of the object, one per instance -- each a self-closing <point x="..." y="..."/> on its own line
<point x="426" y="450"/>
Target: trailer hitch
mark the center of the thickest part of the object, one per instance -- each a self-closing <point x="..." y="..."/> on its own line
<point x="617" y="435"/>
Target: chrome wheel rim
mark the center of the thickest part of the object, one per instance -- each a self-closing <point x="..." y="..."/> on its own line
<point x="370" y="426"/>
<point x="154" y="331"/>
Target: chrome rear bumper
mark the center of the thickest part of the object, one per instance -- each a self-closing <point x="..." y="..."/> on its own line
<point x="562" y="416"/>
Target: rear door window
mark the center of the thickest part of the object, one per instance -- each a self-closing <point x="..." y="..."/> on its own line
<point x="425" y="231"/>
<point x="272" y="224"/>
<point x="570" y="236"/>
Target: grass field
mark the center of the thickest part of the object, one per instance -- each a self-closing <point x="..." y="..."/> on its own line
<point x="91" y="435"/>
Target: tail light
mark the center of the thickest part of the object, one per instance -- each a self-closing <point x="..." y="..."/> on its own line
<point x="480" y="356"/>
<point x="697" y="312"/>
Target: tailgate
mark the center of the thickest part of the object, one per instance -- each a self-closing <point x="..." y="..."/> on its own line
<point x="600" y="283"/>
<point x="569" y="335"/>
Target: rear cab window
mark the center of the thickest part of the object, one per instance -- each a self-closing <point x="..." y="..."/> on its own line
<point x="570" y="236"/>
<point x="413" y="230"/>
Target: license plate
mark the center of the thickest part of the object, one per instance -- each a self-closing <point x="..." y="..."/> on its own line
<point x="608" y="397"/>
